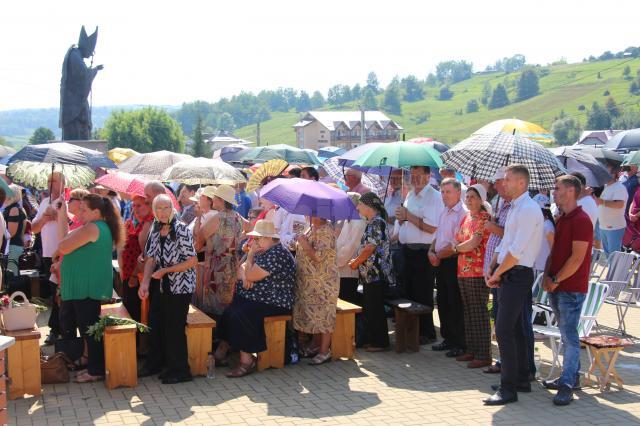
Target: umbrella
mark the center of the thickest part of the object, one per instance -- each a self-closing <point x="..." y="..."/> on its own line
<point x="628" y="139"/>
<point x="270" y="168"/>
<point x="227" y="153"/>
<point x="400" y="154"/>
<point x="6" y="151"/>
<point x="578" y="161"/>
<point x="36" y="175"/>
<point x="63" y="153"/>
<point x="350" y="157"/>
<point x="603" y="155"/>
<point x="118" y="155"/>
<point x="202" y="171"/>
<point x="130" y="184"/>
<point x="480" y="156"/>
<point x="439" y="146"/>
<point x="632" y="158"/>
<point x="151" y="165"/>
<point x="310" y="198"/>
<point x="288" y="153"/>
<point x="522" y="128"/>
<point x="369" y="180"/>
<point x="330" y="151"/>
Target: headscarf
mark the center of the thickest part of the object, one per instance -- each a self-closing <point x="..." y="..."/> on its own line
<point x="157" y="225"/>
<point x="370" y="199"/>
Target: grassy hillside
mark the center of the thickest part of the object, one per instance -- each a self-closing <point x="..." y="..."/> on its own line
<point x="565" y="88"/>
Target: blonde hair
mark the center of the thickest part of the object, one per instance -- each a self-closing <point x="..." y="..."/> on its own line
<point x="17" y="194"/>
<point x="79" y="193"/>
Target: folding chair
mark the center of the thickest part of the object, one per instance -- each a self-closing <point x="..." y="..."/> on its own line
<point x="625" y="298"/>
<point x="540" y="301"/>
<point x="594" y="300"/>
<point x="598" y="264"/>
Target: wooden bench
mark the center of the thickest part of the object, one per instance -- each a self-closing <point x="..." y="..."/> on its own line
<point x="117" y="282"/>
<point x="407" y="313"/>
<point x="119" y="350"/>
<point x="199" y="332"/>
<point x="343" y="340"/>
<point x="274" y="329"/>
<point x="24" y="363"/>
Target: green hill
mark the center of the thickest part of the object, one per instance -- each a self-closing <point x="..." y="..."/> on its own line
<point x="564" y="87"/>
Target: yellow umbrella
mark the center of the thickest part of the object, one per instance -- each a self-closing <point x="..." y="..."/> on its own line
<point x="118" y="155"/>
<point x="522" y="128"/>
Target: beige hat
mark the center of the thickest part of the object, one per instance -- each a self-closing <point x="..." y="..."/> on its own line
<point x="207" y="191"/>
<point x="227" y="193"/>
<point x="264" y="228"/>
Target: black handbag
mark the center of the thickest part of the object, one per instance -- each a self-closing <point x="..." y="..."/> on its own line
<point x="29" y="259"/>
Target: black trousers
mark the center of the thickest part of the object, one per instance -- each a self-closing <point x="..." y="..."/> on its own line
<point x="419" y="277"/>
<point x="514" y="289"/>
<point x="377" y="331"/>
<point x="54" y="318"/>
<point x="68" y="321"/>
<point x="87" y="313"/>
<point x="349" y="291"/>
<point x="450" y="309"/>
<point x="155" y="355"/>
<point x="131" y="300"/>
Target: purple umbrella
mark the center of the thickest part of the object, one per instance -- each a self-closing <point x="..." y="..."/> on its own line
<point x="310" y="198"/>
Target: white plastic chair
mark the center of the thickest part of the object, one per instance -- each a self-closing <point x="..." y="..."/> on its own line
<point x="625" y="298"/>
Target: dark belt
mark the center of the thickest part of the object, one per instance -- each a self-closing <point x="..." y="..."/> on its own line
<point x="416" y="246"/>
<point x="516" y="268"/>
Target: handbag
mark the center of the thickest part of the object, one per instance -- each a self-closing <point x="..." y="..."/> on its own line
<point x="55" y="368"/>
<point x="21" y="317"/>
<point x="29" y="259"/>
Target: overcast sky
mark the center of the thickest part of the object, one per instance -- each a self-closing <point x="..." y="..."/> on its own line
<point x="166" y="53"/>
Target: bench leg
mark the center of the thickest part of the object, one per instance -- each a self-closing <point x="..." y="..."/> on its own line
<point x="401" y="331"/>
<point x="199" y="344"/>
<point x="120" y="359"/>
<point x="274" y="355"/>
<point x="34" y="284"/>
<point x="24" y="369"/>
<point x="343" y="340"/>
<point x="412" y="327"/>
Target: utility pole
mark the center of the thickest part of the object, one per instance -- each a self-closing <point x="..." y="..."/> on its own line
<point x="258" y="133"/>
<point x="363" y="137"/>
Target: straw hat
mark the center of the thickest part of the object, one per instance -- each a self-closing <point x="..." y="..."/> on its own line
<point x="264" y="228"/>
<point x="227" y="193"/>
<point x="207" y="191"/>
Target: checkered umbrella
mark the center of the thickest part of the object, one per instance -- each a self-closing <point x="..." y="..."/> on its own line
<point x="369" y="180"/>
<point x="480" y="156"/>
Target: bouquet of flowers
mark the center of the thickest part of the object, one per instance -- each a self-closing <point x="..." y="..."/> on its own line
<point x="6" y="301"/>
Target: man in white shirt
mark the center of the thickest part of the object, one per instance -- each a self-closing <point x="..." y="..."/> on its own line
<point x="611" y="209"/>
<point x="46" y="224"/>
<point x="445" y="260"/>
<point x="513" y="276"/>
<point x="418" y="217"/>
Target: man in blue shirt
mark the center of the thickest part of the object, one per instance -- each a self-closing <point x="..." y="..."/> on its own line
<point x="243" y="200"/>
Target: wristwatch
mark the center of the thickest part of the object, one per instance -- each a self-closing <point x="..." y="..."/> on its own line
<point x="455" y="248"/>
<point x="554" y="280"/>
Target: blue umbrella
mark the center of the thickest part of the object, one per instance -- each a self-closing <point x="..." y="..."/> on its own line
<point x="63" y="153"/>
<point x="330" y="152"/>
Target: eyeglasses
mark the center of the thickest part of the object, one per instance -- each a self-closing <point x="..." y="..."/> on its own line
<point x="74" y="199"/>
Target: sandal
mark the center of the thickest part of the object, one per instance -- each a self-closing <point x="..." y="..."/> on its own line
<point x="493" y="369"/>
<point x="309" y="352"/>
<point x="85" y="377"/>
<point x="81" y="363"/>
<point x="321" y="358"/>
<point x="242" y="370"/>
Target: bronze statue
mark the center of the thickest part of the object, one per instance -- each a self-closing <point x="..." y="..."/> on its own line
<point x="75" y="86"/>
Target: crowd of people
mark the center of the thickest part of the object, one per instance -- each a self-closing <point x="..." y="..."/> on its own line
<point x="240" y="258"/>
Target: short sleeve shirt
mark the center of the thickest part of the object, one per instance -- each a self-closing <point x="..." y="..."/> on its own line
<point x="277" y="289"/>
<point x="610" y="218"/>
<point x="471" y="263"/>
<point x="376" y="267"/>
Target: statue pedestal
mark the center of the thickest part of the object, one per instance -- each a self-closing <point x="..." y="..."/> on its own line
<point x="97" y="145"/>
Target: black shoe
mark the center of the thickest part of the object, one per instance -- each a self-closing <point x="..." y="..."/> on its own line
<point x="523" y="387"/>
<point x="172" y="380"/>
<point x="146" y="372"/>
<point x="564" y="395"/>
<point x="555" y="384"/>
<point x="426" y="340"/>
<point x="501" y="397"/>
<point x="442" y="346"/>
<point x="455" y="352"/>
<point x="51" y="339"/>
<point x="163" y="375"/>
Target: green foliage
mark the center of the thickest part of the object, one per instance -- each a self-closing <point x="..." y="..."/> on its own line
<point x="339" y="95"/>
<point x="598" y="118"/>
<point x="445" y="93"/>
<point x="391" y="102"/>
<point x="145" y="130"/>
<point x="606" y="93"/>
<point x="317" y="100"/>
<point x="422" y="117"/>
<point x="626" y="73"/>
<point x="304" y="102"/>
<point x="499" y="97"/>
<point x="226" y="123"/>
<point x="634" y="88"/>
<point x="369" y="101"/>
<point x="508" y="65"/>
<point x="413" y="90"/>
<point x="199" y="148"/>
<point x="41" y="135"/>
<point x="454" y="71"/>
<point x="527" y="85"/>
<point x="486" y="93"/>
<point x="612" y="108"/>
<point x="356" y="92"/>
<point x="3" y="141"/>
<point x="372" y="83"/>
<point x="97" y="330"/>
<point x="566" y="130"/>
<point x="432" y="80"/>
<point x="472" y="106"/>
<point x="629" y="119"/>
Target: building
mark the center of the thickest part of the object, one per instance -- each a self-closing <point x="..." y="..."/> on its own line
<point x="318" y="129"/>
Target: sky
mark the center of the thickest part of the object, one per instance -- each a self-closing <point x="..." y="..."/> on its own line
<point x="170" y="52"/>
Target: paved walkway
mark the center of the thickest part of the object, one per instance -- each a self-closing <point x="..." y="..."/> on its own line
<point x="382" y="388"/>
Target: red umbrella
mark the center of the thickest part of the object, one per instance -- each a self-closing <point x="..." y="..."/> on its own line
<point x="130" y="184"/>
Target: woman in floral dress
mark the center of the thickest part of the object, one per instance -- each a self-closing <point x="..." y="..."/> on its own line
<point x="471" y="241"/>
<point x="318" y="285"/>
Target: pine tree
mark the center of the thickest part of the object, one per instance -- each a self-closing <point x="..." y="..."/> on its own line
<point x="369" y="100"/>
<point x="527" y="85"/>
<point x="199" y="147"/>
<point x="499" y="97"/>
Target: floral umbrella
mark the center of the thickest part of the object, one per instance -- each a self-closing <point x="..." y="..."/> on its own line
<point x="36" y="175"/>
<point x="202" y="171"/>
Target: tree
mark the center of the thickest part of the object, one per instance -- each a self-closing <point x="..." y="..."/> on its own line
<point x="612" y="108"/>
<point x="626" y="73"/>
<point x="291" y="96"/>
<point x="431" y="80"/>
<point x="454" y="71"/>
<point x="634" y="88"/>
<point x="499" y="97"/>
<point x="413" y="90"/>
<point x="144" y="130"/>
<point x="226" y="122"/>
<point x="598" y="118"/>
<point x="527" y="85"/>
<point x="304" y="102"/>
<point x="472" y="106"/>
<point x="356" y="92"/>
<point x="629" y="119"/>
<point x="198" y="146"/>
<point x="317" y="100"/>
<point x="372" y="82"/>
<point x="486" y="93"/>
<point x="335" y="96"/>
<point x="3" y="141"/>
<point x="391" y="102"/>
<point x="41" y="135"/>
<point x="445" y="93"/>
<point x="369" y="101"/>
<point x="566" y="130"/>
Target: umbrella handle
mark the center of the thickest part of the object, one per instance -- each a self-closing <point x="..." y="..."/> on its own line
<point x="53" y="165"/>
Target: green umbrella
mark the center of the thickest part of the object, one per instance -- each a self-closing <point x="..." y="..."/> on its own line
<point x="5" y="188"/>
<point x="400" y="154"/>
<point x="288" y="153"/>
<point x="632" y="158"/>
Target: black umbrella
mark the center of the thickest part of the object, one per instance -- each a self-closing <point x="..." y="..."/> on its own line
<point x="63" y="153"/>
<point x="628" y="140"/>
<point x="603" y="155"/>
<point x="579" y="161"/>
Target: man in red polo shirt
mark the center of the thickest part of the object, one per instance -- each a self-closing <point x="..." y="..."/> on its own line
<point x="567" y="280"/>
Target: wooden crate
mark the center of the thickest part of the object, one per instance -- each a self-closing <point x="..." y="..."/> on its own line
<point x="199" y="332"/>
<point x="24" y="363"/>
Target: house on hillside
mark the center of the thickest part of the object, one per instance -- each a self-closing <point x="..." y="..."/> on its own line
<point x="222" y="138"/>
<point x="596" y="137"/>
<point x="318" y="129"/>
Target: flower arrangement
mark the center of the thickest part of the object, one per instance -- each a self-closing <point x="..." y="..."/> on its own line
<point x="97" y="329"/>
<point x="6" y="302"/>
